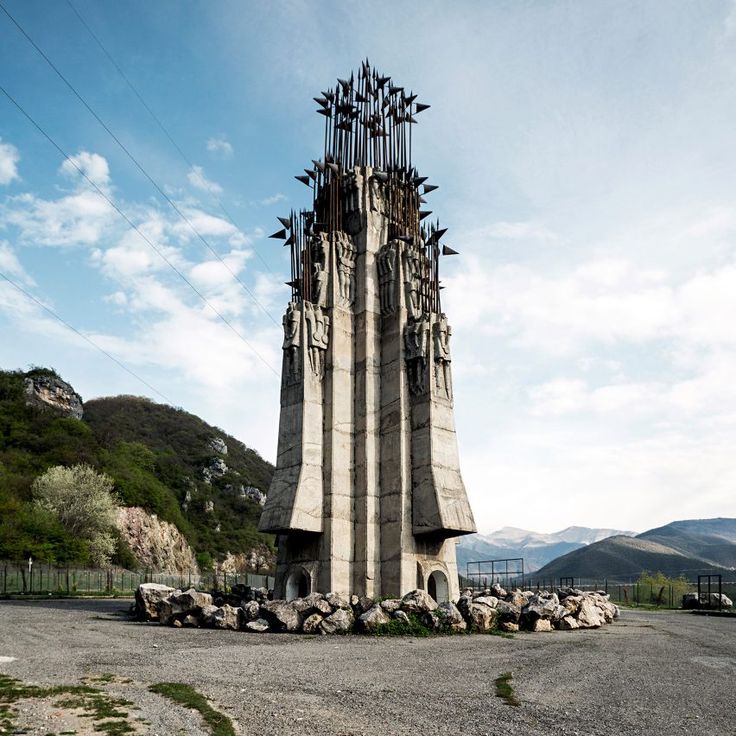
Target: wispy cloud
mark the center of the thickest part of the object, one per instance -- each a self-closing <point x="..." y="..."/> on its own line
<point x="220" y="146"/>
<point x="9" y="158"/>
<point x="198" y="180"/>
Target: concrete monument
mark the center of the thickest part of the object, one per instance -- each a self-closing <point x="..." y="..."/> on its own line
<point x="367" y="497"/>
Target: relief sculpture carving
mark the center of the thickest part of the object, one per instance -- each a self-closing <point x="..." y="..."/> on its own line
<point x="412" y="281"/>
<point x="292" y="338"/>
<point x="416" y="341"/>
<point x="441" y="333"/>
<point x="387" y="277"/>
<point x="345" y="254"/>
<point x="318" y="328"/>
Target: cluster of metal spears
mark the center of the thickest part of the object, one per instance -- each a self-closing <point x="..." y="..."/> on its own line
<point x="368" y="123"/>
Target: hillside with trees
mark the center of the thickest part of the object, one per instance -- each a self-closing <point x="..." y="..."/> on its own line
<point x="164" y="460"/>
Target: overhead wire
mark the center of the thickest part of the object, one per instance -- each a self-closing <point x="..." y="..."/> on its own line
<point x="135" y="161"/>
<point x="93" y="184"/>
<point x="160" y="124"/>
<point x="84" y="337"/>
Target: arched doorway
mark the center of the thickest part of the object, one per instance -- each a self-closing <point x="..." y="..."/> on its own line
<point x="437" y="587"/>
<point x="297" y="585"/>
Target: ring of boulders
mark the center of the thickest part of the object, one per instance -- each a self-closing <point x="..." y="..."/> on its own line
<point x="249" y="609"/>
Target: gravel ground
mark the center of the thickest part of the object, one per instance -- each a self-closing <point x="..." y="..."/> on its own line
<point x="649" y="673"/>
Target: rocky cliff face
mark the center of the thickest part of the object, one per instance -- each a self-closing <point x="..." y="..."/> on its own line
<point x="46" y="391"/>
<point x="157" y="545"/>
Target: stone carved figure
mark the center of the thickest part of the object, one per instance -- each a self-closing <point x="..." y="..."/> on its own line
<point x="320" y="269"/>
<point x="416" y="342"/>
<point x="387" y="277"/>
<point x="292" y="338"/>
<point x="318" y="328"/>
<point x="412" y="281"/>
<point x="345" y="256"/>
<point x="441" y="333"/>
<point x="375" y="195"/>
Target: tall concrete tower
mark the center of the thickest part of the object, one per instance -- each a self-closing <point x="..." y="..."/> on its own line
<point x="367" y="496"/>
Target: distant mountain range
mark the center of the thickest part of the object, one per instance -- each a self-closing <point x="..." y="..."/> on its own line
<point x="689" y="548"/>
<point x="535" y="548"/>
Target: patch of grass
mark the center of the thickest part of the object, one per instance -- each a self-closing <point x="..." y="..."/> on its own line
<point x="187" y="696"/>
<point x="96" y="704"/>
<point x="505" y="690"/>
<point x="498" y="632"/>
<point x="396" y="627"/>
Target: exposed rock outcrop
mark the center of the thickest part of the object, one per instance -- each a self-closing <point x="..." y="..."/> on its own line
<point x="157" y="545"/>
<point x="47" y="391"/>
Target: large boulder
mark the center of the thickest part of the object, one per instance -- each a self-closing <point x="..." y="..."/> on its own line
<point x="259" y="626"/>
<point x="542" y="624"/>
<point x="568" y="623"/>
<point x="251" y="610"/>
<point x="148" y="599"/>
<point x="418" y="602"/>
<point x="340" y="622"/>
<point x="362" y="604"/>
<point x="497" y="591"/>
<point x="391" y="605"/>
<point x="482" y="617"/>
<point x="372" y="619"/>
<point x="337" y="600"/>
<point x="311" y="623"/>
<point x="312" y="603"/>
<point x="178" y="605"/>
<point x="281" y="616"/>
<point x="516" y="598"/>
<point x="589" y="616"/>
<point x="508" y="612"/>
<point x="539" y="607"/>
<point x="488" y="600"/>
<point x="223" y="617"/>
<point x="453" y="619"/>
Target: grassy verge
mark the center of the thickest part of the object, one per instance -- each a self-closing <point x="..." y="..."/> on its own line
<point x="187" y="696"/>
<point x="104" y="710"/>
<point x="505" y="690"/>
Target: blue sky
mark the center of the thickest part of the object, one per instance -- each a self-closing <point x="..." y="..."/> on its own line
<point x="585" y="156"/>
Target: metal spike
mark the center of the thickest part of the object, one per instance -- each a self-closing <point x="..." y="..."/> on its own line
<point x="382" y="80"/>
<point x="290" y="240"/>
<point x="420" y="180"/>
<point x="430" y="188"/>
<point x="321" y="101"/>
<point x="327" y="112"/>
<point x="334" y="167"/>
<point x="422" y="200"/>
<point x="393" y="90"/>
<point x="410" y="118"/>
<point x="420" y="107"/>
<point x="303" y="179"/>
<point x="424" y="213"/>
<point x="279" y="234"/>
<point x="447" y="251"/>
<point x="318" y="165"/>
<point x="311" y="174"/>
<point x="285" y="221"/>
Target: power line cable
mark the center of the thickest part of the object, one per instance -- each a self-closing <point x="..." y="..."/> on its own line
<point x="135" y="227"/>
<point x="125" y="150"/>
<point x="85" y="337"/>
<point x="158" y="122"/>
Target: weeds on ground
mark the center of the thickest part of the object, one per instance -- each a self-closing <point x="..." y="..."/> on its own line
<point x="96" y="704"/>
<point x="505" y="690"/>
<point x="187" y="696"/>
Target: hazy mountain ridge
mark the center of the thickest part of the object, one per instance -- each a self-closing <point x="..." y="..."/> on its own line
<point x="536" y="548"/>
<point x="688" y="547"/>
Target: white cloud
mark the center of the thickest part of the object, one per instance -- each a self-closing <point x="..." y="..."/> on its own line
<point x="198" y="180"/>
<point x="274" y="199"/>
<point x="9" y="158"/>
<point x="220" y="146"/>
<point x="9" y="263"/>
<point x="92" y="165"/>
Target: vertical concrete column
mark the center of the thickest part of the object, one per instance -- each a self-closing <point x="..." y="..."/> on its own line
<point x="367" y="568"/>
<point x="336" y="549"/>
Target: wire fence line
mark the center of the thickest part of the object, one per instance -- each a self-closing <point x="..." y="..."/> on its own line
<point x="40" y="578"/>
<point x="667" y="595"/>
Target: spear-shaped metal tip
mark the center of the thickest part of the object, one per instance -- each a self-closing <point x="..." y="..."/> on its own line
<point x="447" y="251"/>
<point x="420" y="180"/>
<point x="285" y="221"/>
<point x="430" y="188"/>
<point x="422" y="200"/>
<point x="333" y="167"/>
<point x="310" y="173"/>
<point x="420" y="107"/>
<point x="424" y="213"/>
<point x="380" y="175"/>
<point x="303" y="179"/>
<point x="321" y="101"/>
<point x="411" y="98"/>
<point x="318" y="165"/>
<point x="279" y="235"/>
<point x="290" y="240"/>
<point x="326" y="111"/>
<point x="382" y="80"/>
<point x="393" y="90"/>
<point x="437" y="234"/>
<point x="410" y="118"/>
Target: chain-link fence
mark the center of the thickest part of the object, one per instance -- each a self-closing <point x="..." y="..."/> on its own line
<point x="40" y="578"/>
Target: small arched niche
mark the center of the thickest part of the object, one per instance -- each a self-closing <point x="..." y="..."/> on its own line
<point x="297" y="584"/>
<point x="437" y="587"/>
